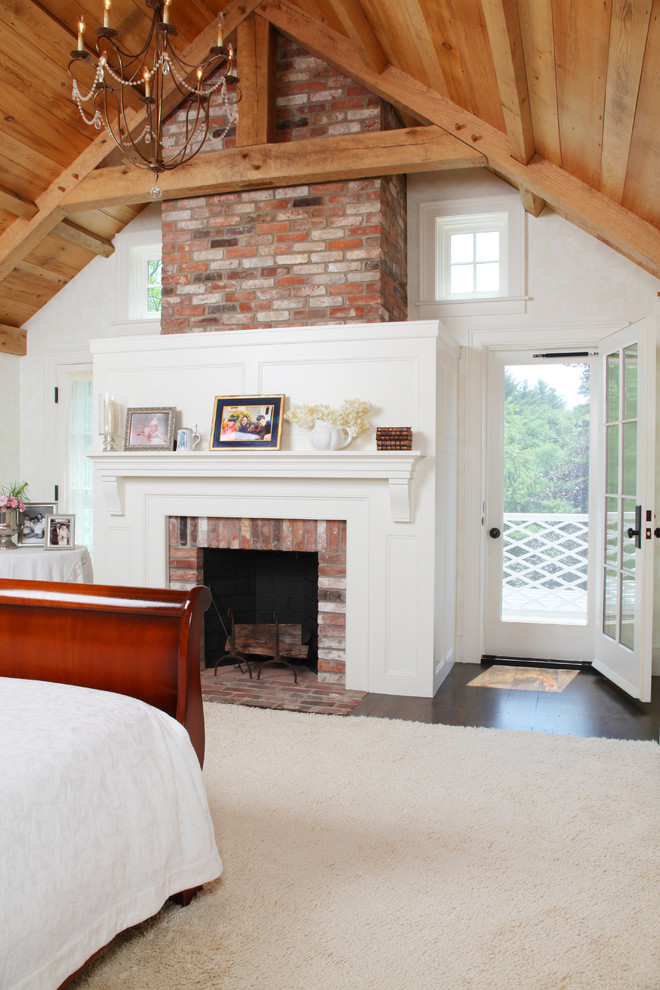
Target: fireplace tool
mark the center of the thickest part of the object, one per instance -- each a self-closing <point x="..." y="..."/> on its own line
<point x="238" y="658"/>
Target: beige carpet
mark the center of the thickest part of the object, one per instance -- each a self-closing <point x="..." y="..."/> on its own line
<point x="365" y="853"/>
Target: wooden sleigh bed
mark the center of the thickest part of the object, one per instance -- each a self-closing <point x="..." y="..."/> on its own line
<point x="103" y="813"/>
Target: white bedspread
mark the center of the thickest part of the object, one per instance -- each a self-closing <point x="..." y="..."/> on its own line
<point x="103" y="815"/>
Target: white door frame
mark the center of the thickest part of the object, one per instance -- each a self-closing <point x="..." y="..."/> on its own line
<point x="473" y="535"/>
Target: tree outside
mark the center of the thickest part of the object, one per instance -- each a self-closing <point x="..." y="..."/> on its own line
<point x="546" y="443"/>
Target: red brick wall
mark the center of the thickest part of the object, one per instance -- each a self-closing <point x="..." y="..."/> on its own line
<point x="189" y="535"/>
<point x="303" y="255"/>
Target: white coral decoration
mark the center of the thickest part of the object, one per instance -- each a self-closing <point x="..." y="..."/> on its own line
<point x="351" y="414"/>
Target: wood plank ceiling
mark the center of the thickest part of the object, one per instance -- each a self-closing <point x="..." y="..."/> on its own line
<point x="560" y="98"/>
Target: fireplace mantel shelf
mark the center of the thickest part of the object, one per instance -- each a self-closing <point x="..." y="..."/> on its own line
<point x="395" y="467"/>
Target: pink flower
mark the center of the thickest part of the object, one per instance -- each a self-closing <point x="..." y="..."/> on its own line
<point x="3" y="501"/>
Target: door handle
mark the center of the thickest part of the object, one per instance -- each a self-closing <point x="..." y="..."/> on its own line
<point x="637" y="531"/>
<point x="494" y="532"/>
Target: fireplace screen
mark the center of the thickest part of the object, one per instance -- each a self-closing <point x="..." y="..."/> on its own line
<point x="255" y="586"/>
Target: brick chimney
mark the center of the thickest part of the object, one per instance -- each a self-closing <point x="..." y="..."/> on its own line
<point x="329" y="252"/>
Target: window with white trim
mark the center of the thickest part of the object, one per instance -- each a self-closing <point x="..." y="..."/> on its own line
<point x="139" y="273"/>
<point x="472" y="256"/>
<point x="144" y="282"/>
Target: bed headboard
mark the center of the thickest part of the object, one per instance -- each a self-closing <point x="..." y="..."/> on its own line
<point x="143" y="642"/>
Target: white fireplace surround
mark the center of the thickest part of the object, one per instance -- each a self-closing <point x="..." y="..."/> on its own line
<point x="399" y="506"/>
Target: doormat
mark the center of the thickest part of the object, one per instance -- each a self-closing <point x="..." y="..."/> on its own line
<point x="277" y="689"/>
<point x="524" y="678"/>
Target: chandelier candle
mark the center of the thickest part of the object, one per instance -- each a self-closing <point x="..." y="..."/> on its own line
<point x="105" y="82"/>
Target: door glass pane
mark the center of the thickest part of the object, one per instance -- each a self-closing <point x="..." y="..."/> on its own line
<point x="612" y="386"/>
<point x="612" y="456"/>
<point x="611" y="532"/>
<point x="628" y="585"/>
<point x="629" y="431"/>
<point x="546" y="493"/>
<point x="610" y="597"/>
<point x="630" y="382"/>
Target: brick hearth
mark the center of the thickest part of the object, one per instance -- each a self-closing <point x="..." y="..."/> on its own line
<point x="276" y="689"/>
<point x="190" y="535"/>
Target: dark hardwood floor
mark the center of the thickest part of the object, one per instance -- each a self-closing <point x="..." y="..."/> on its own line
<point x="589" y="706"/>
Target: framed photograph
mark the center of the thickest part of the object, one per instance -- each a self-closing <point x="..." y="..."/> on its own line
<point x="60" y="532"/>
<point x="33" y="523"/>
<point x="150" y="428"/>
<point x="248" y="422"/>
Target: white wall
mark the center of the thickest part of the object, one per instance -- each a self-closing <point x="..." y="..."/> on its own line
<point x="10" y="434"/>
<point x="85" y="309"/>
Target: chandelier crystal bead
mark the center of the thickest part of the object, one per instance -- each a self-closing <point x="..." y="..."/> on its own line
<point x="131" y="94"/>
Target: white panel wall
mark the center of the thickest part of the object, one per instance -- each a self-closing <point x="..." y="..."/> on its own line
<point x="392" y="568"/>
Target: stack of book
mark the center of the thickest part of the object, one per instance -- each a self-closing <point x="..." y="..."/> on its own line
<point x="393" y="438"/>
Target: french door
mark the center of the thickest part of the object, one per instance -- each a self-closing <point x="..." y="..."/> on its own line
<point x="623" y="635"/>
<point x="540" y="590"/>
<point x="569" y="509"/>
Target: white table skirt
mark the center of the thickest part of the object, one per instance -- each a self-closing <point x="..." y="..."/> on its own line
<point x="37" y="564"/>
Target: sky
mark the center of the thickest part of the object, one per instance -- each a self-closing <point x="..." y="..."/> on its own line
<point x="564" y="378"/>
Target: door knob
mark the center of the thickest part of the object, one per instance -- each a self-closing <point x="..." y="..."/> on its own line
<point x="494" y="532"/>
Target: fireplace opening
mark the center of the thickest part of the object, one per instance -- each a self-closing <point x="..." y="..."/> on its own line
<point x="257" y="585"/>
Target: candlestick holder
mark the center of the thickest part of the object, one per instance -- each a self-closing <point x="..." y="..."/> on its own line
<point x="109" y="422"/>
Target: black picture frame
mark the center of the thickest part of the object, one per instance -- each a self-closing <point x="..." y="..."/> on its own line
<point x="33" y="523"/>
<point x="250" y="415"/>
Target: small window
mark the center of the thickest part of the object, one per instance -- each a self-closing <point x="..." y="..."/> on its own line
<point x="472" y="253"/>
<point x="471" y="257"/>
<point x="145" y="275"/>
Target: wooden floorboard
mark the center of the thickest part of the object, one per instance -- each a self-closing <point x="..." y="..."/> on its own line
<point x="589" y="706"/>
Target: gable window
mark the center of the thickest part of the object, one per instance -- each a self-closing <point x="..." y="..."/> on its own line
<point x="472" y="257"/>
<point x="139" y="273"/>
<point x="144" y="285"/>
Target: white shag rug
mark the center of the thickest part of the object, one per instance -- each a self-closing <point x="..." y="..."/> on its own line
<point x="367" y="854"/>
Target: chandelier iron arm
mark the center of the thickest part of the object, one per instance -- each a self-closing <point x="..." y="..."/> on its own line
<point x="152" y="74"/>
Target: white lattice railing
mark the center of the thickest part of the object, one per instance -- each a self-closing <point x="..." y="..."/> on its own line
<point x="545" y="560"/>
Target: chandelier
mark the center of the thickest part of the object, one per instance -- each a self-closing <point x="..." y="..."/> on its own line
<point x="118" y="84"/>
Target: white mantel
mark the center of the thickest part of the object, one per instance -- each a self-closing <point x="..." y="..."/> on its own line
<point x="399" y="506"/>
<point x="397" y="468"/>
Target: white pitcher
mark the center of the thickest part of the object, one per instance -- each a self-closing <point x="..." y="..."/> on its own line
<point x="325" y="436"/>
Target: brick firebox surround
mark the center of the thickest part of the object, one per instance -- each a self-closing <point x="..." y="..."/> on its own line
<point x="189" y="536"/>
<point x="327" y="252"/>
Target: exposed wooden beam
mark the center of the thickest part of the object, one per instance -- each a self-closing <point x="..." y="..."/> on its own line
<point x="346" y="156"/>
<point x="40" y="272"/>
<point x="84" y="238"/>
<point x="256" y="118"/>
<point x="569" y="197"/>
<point x="359" y="30"/>
<point x="629" y="27"/>
<point x="503" y="27"/>
<point x="24" y="234"/>
<point x="532" y="204"/>
<point x="13" y="340"/>
<point x="17" y="205"/>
